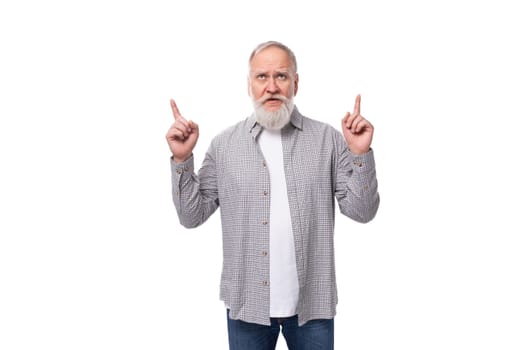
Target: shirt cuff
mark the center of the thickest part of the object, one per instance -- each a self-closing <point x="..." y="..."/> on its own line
<point x="181" y="168"/>
<point x="362" y="162"/>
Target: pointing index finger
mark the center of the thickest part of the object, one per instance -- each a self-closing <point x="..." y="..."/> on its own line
<point x="357" y="106"/>
<point x="175" y="110"/>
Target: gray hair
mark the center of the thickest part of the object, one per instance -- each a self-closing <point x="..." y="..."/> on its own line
<point x="283" y="47"/>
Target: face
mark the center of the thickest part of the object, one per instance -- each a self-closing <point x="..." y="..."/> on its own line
<point x="271" y="75"/>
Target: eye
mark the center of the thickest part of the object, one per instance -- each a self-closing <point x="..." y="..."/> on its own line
<point x="282" y="76"/>
<point x="260" y="76"/>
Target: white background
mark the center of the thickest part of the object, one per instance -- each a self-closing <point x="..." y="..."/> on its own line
<point x="91" y="252"/>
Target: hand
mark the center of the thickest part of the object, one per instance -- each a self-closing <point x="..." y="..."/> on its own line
<point x="182" y="135"/>
<point x="357" y="130"/>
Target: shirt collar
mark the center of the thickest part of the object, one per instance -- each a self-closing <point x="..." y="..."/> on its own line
<point x="296" y="120"/>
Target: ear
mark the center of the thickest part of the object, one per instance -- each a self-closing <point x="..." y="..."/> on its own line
<point x="249" y="86"/>
<point x="296" y="84"/>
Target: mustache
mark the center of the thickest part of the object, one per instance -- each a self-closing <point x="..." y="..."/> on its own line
<point x="271" y="97"/>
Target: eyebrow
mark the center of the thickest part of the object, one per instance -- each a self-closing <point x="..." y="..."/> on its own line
<point x="278" y="71"/>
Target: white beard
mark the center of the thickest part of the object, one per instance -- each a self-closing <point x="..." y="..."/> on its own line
<point x="273" y="120"/>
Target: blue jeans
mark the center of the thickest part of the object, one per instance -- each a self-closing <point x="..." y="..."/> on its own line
<point x="314" y="335"/>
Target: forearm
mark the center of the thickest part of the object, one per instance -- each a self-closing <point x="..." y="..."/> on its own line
<point x="194" y="202"/>
<point x="356" y="188"/>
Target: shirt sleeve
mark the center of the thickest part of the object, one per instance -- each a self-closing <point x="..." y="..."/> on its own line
<point x="356" y="183"/>
<point x="195" y="196"/>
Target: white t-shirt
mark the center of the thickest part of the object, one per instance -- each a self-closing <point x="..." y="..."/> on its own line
<point x="284" y="283"/>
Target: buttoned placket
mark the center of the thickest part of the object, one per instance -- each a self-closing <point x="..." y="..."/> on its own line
<point x="266" y="196"/>
<point x="289" y="135"/>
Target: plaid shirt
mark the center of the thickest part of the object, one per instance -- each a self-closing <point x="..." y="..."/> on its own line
<point x="318" y="167"/>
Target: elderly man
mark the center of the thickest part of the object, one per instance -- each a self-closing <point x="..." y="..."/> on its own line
<point x="275" y="176"/>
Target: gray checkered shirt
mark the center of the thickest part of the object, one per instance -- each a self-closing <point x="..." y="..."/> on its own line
<point x="318" y="167"/>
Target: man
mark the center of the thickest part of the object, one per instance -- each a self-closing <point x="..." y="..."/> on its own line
<point x="275" y="176"/>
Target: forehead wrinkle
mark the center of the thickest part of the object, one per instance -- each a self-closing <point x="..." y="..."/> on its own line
<point x="272" y="70"/>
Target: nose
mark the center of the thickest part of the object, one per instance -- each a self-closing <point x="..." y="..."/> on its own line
<point x="272" y="87"/>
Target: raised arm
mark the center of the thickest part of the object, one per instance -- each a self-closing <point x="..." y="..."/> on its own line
<point x="195" y="196"/>
<point x="356" y="187"/>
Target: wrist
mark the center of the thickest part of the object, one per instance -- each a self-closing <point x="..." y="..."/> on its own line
<point x="358" y="152"/>
<point x="180" y="160"/>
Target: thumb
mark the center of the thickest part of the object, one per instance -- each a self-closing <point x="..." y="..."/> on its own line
<point x="194" y="126"/>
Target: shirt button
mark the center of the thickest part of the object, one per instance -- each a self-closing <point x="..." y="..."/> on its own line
<point x="265" y="193"/>
<point x="265" y="222"/>
<point x="265" y="253"/>
<point x="264" y="163"/>
<point x="266" y="283"/>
